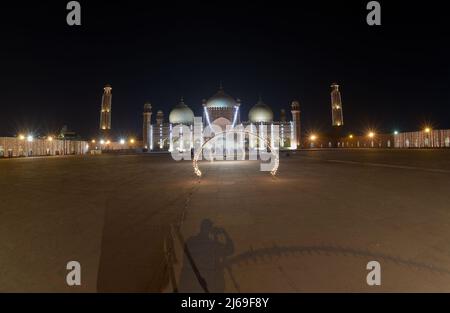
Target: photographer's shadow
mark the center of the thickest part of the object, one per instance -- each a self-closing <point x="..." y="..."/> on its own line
<point x="204" y="260"/>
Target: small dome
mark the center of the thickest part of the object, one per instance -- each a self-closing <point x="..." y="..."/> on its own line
<point x="221" y="100"/>
<point x="260" y="112"/>
<point x="181" y="114"/>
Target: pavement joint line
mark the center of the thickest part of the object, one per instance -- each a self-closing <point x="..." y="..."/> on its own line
<point x="404" y="167"/>
<point x="176" y="233"/>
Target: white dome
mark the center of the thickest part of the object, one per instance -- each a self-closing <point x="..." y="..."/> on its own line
<point x="221" y="100"/>
<point x="181" y="114"/>
<point x="260" y="112"/>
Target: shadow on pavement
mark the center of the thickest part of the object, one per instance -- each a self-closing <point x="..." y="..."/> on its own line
<point x="204" y="259"/>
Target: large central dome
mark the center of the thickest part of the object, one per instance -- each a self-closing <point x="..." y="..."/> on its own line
<point x="221" y="100"/>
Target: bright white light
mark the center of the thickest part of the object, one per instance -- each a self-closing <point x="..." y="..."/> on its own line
<point x="21" y="137"/>
<point x="30" y="138"/>
<point x="50" y="138"/>
<point x="207" y="116"/>
<point x="151" y="137"/>
<point x="102" y="142"/>
<point x="396" y="132"/>
<point x="122" y="141"/>
<point x="235" y="116"/>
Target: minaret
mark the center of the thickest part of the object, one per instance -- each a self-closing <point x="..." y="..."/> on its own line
<point x="295" y="110"/>
<point x="147" y="126"/>
<point x="159" y="118"/>
<point x="105" y="113"/>
<point x="283" y="115"/>
<point x="337" y="118"/>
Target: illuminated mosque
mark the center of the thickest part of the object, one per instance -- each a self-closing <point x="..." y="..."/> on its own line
<point x="222" y="110"/>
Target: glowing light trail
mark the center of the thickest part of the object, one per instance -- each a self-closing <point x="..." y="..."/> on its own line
<point x="273" y="171"/>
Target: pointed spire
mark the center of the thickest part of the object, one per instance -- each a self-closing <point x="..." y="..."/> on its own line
<point x="181" y="103"/>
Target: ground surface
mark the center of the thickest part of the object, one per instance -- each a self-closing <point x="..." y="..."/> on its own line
<point x="312" y="228"/>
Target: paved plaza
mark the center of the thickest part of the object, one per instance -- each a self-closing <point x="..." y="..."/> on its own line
<point x="146" y="223"/>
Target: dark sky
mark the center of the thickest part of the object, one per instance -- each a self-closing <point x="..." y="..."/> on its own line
<point x="395" y="76"/>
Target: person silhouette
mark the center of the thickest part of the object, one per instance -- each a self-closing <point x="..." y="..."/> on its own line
<point x="204" y="258"/>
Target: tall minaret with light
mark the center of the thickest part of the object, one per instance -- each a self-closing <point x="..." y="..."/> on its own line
<point x="147" y="126"/>
<point x="337" y="118"/>
<point x="296" y="126"/>
<point x="105" y="113"/>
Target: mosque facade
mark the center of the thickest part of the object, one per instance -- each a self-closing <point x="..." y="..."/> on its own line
<point x="221" y="110"/>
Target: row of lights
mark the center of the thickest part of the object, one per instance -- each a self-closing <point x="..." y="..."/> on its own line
<point x="121" y="141"/>
<point x="30" y="138"/>
<point x="370" y="134"/>
<point x="312" y="137"/>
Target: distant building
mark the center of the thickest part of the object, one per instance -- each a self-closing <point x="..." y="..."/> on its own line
<point x="337" y="118"/>
<point x="427" y="138"/>
<point x="67" y="134"/>
<point x="25" y="146"/>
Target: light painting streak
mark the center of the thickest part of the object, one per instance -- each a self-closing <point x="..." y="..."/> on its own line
<point x="274" y="170"/>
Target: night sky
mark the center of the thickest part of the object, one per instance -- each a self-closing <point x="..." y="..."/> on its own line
<point x="394" y="76"/>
